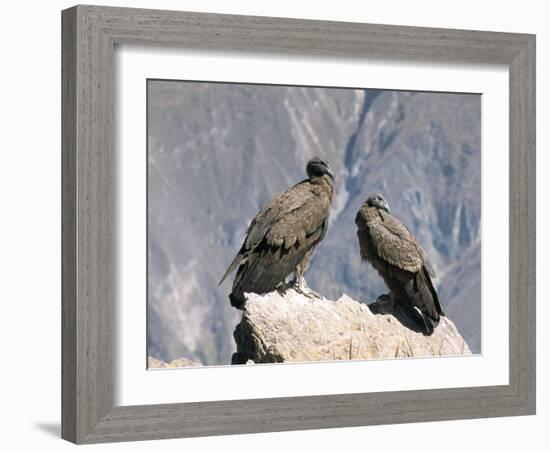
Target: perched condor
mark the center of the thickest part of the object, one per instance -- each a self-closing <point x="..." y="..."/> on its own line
<point x="282" y="237"/>
<point x="400" y="260"/>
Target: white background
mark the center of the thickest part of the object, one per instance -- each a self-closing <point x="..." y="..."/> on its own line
<point x="136" y="386"/>
<point x="31" y="207"/>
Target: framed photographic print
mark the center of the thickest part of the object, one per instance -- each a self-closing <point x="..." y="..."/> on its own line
<point x="278" y="224"/>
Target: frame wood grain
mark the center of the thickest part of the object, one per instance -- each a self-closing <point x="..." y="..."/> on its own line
<point x="90" y="34"/>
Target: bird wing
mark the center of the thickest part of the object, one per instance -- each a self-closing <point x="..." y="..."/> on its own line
<point x="304" y="219"/>
<point x="427" y="264"/>
<point x="288" y="218"/>
<point x="289" y="229"/>
<point x="395" y="244"/>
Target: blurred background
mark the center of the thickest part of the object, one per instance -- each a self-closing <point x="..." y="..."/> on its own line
<point x="218" y="152"/>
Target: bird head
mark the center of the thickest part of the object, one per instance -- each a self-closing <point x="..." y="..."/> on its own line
<point x="378" y="201"/>
<point x="317" y="167"/>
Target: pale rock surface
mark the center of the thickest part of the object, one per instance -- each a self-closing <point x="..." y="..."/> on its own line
<point x="219" y="152"/>
<point x="290" y="327"/>
<point x="153" y="363"/>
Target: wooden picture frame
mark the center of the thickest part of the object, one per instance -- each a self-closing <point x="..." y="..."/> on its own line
<point x="90" y="34"/>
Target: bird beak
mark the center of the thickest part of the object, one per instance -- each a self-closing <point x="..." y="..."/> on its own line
<point x="387" y="207"/>
<point x="330" y="173"/>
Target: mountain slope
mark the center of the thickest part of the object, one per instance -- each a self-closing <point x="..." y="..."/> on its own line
<point x="219" y="152"/>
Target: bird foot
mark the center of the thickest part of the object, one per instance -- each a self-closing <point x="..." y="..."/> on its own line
<point x="301" y="287"/>
<point x="387" y="299"/>
<point x="300" y="284"/>
<point x="309" y="293"/>
<point x="283" y="287"/>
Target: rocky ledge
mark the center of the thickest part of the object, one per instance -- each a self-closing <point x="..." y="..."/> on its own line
<point x="291" y="327"/>
<point x="153" y="363"/>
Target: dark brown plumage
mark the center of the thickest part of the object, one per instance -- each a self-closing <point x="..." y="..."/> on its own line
<point x="282" y="237"/>
<point x="399" y="259"/>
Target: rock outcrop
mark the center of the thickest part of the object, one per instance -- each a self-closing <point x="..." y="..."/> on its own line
<point x="153" y="363"/>
<point x="291" y="327"/>
<point x="218" y="152"/>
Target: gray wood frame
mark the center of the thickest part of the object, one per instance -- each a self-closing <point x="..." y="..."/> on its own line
<point x="89" y="36"/>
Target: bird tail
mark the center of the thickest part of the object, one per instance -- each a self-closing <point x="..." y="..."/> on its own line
<point x="236" y="299"/>
<point x="429" y="323"/>
<point x="428" y="305"/>
<point x="433" y="292"/>
<point x="234" y="264"/>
